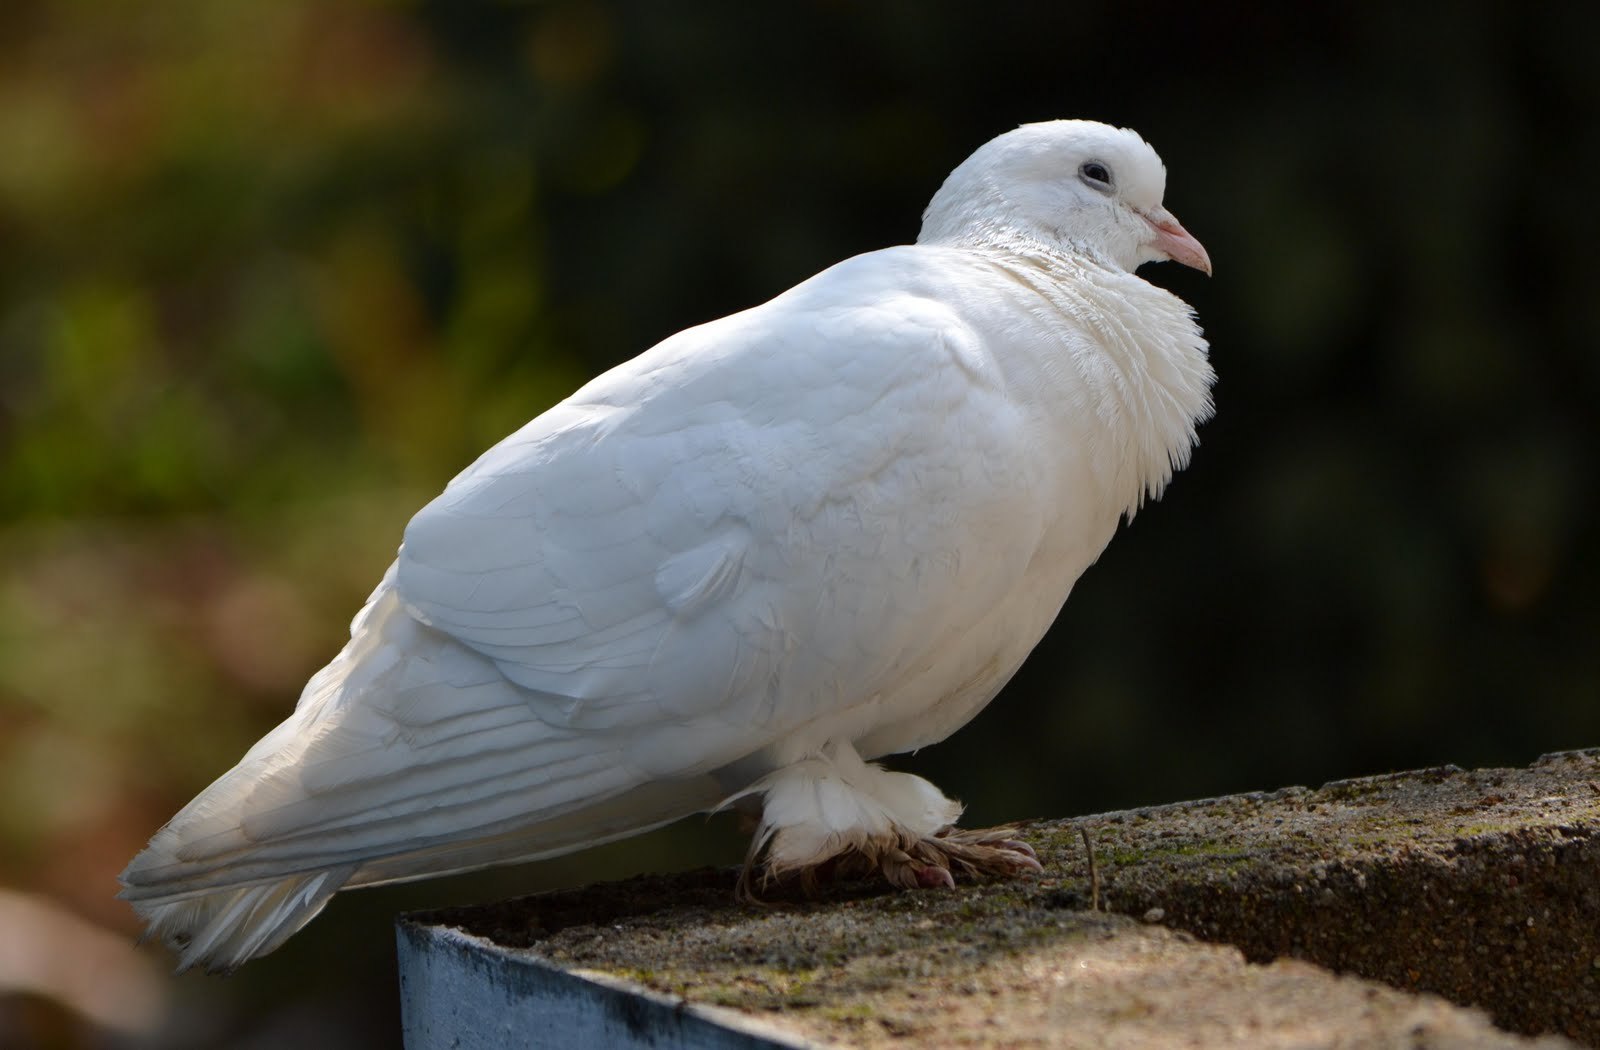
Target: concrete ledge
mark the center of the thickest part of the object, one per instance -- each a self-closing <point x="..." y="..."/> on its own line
<point x="1483" y="887"/>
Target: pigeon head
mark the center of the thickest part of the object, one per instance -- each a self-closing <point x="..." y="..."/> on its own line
<point x="1075" y="185"/>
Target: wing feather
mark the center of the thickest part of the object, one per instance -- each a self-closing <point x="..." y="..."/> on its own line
<point x="725" y="510"/>
<point x="655" y="580"/>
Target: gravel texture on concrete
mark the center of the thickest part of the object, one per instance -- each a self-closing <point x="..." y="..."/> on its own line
<point x="1482" y="887"/>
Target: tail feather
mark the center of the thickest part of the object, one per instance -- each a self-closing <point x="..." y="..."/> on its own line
<point x="407" y="756"/>
<point x="219" y="926"/>
<point x="222" y="930"/>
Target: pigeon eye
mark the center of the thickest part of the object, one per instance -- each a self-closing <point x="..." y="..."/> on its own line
<point x="1096" y="175"/>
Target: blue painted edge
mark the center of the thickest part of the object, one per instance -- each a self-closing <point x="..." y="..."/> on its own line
<point x="464" y="992"/>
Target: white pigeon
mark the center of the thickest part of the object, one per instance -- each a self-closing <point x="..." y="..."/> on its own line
<point x="740" y="566"/>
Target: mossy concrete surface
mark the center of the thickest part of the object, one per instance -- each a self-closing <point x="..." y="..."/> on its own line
<point x="1482" y="887"/>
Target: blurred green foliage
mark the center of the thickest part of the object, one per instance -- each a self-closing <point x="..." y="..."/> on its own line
<point x="273" y="270"/>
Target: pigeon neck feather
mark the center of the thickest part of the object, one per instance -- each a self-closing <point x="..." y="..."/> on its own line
<point x="1140" y="368"/>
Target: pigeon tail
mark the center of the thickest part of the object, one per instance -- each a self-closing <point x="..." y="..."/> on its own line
<point x="222" y="929"/>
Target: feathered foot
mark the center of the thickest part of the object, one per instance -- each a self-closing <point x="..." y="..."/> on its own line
<point x="906" y="861"/>
<point x="972" y="853"/>
<point x="833" y="815"/>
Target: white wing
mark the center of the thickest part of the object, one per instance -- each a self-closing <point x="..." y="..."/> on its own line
<point x="759" y="521"/>
<point x="754" y="527"/>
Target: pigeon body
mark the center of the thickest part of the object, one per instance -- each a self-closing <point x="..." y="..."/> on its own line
<point x="740" y="566"/>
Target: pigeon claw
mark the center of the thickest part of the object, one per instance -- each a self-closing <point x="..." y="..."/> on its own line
<point x="988" y="852"/>
<point x="934" y="862"/>
<point x="916" y="869"/>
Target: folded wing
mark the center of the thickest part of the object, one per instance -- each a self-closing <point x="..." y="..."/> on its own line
<point x="749" y="528"/>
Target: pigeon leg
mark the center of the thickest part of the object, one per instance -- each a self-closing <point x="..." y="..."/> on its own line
<point x="833" y="815"/>
<point x="906" y="861"/>
<point x="933" y="861"/>
<point x="983" y="852"/>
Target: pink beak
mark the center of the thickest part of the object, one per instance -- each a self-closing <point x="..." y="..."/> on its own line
<point x="1177" y="243"/>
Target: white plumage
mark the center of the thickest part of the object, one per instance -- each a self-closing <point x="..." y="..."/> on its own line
<point x="776" y="545"/>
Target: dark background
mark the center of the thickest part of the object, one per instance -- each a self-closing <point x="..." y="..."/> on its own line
<point x="274" y="271"/>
